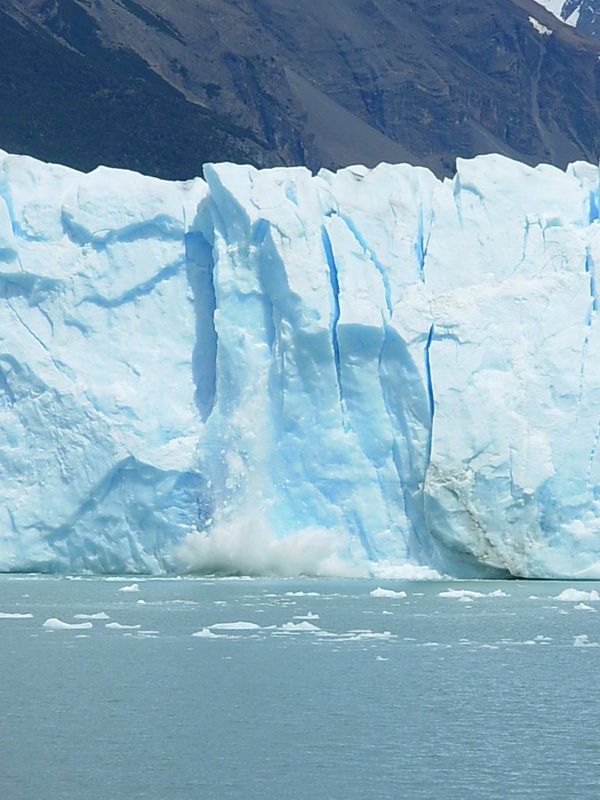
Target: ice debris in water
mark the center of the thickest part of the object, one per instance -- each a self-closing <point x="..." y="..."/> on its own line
<point x="583" y="640"/>
<point x="379" y="592"/>
<point x="15" y="615"/>
<point x="575" y="595"/>
<point x="55" y="624"/>
<point x="120" y="626"/>
<point x="584" y="607"/>
<point x="470" y="594"/>
<point x="368" y="372"/>
<point x="299" y="626"/>
<point x="206" y="633"/>
<point x="235" y="626"/>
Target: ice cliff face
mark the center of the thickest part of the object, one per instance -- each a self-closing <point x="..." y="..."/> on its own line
<point x="277" y="373"/>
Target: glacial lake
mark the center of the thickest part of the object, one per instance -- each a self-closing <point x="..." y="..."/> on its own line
<point x="298" y="689"/>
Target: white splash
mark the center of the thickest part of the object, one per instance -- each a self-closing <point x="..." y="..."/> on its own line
<point x="245" y="546"/>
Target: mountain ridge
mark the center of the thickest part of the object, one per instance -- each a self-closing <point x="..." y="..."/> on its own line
<point x="349" y="81"/>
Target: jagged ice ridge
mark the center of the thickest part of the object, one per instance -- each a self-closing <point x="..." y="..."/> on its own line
<point x="368" y="371"/>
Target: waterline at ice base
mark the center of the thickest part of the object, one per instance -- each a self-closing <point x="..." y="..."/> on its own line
<point x="368" y="372"/>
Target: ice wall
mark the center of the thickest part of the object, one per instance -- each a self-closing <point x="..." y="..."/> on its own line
<point x="270" y="372"/>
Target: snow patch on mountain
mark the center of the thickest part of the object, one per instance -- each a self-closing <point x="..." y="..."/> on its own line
<point x="565" y="10"/>
<point x="541" y="29"/>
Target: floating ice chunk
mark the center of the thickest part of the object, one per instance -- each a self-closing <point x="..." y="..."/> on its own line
<point x="10" y="615"/>
<point x="379" y="592"/>
<point x="584" y="607"/>
<point x="583" y="640"/>
<point x="303" y="594"/>
<point x="141" y="602"/>
<point x="120" y="626"/>
<point x="367" y="633"/>
<point x="575" y="595"/>
<point x="470" y="594"/>
<point x="99" y="615"/>
<point x="460" y="594"/>
<point x="516" y="642"/>
<point x="349" y="636"/>
<point x="133" y="587"/>
<point x="55" y="624"/>
<point x="235" y="626"/>
<point x="299" y="626"/>
<point x="310" y="615"/>
<point x="206" y="633"/>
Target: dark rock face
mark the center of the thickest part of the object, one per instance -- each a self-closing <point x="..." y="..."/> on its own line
<point x="162" y="87"/>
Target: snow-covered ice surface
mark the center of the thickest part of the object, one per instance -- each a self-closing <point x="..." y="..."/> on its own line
<point x="368" y="372"/>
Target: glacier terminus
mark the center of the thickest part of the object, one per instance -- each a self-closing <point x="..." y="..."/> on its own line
<point x="274" y="372"/>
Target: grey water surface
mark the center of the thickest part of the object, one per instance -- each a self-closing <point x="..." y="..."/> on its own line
<point x="314" y="690"/>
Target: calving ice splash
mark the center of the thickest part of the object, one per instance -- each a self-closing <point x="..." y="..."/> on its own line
<point x="371" y="371"/>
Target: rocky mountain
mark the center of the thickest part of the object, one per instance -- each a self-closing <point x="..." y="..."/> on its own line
<point x="163" y="87"/>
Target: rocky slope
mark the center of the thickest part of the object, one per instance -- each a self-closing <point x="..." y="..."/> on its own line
<point x="162" y="87"/>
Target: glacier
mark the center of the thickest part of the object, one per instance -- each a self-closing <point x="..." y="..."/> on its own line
<point x="273" y="372"/>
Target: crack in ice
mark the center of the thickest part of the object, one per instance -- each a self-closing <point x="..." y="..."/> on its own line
<point x="370" y="253"/>
<point x="335" y="294"/>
